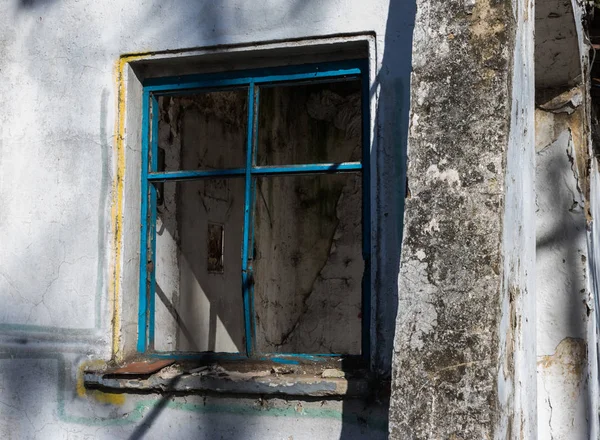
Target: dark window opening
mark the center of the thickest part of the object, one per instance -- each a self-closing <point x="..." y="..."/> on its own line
<point x="255" y="225"/>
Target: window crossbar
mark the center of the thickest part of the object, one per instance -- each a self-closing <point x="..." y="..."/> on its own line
<point x="266" y="76"/>
<point x="257" y="171"/>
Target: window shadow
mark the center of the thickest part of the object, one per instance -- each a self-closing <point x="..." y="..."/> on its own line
<point x="144" y="426"/>
<point x="29" y="5"/>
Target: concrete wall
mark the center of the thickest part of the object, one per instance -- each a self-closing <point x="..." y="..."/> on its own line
<point x="566" y="278"/>
<point x="465" y="362"/>
<point x="69" y="219"/>
<point x="593" y="321"/>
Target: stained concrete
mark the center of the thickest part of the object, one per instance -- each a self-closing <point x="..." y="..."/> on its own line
<point x="461" y="369"/>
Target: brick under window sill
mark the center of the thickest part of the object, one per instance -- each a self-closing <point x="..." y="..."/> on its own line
<point x="307" y="379"/>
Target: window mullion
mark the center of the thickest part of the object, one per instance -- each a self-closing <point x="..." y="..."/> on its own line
<point x="250" y="255"/>
<point x="152" y="225"/>
<point x="195" y="174"/>
<point x="143" y="298"/>
<point x="246" y="275"/>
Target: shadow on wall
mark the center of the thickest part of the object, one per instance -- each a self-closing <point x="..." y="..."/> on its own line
<point x="32" y="4"/>
<point x="390" y="157"/>
<point x="563" y="313"/>
<point x="564" y="236"/>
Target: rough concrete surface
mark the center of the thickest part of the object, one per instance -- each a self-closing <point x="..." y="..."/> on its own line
<point x="452" y="277"/>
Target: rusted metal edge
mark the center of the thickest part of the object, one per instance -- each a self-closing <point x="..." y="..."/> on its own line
<point x="140" y="368"/>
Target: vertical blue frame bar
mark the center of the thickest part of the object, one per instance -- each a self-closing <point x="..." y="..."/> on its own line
<point x="246" y="276"/>
<point x="366" y="211"/>
<point x="143" y="298"/>
<point x="152" y="230"/>
<point x="252" y="163"/>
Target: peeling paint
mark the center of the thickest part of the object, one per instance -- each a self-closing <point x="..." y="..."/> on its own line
<point x="569" y="356"/>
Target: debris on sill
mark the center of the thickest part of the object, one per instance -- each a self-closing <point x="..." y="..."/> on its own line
<point x="566" y="102"/>
<point x="332" y="372"/>
<point x="251" y="377"/>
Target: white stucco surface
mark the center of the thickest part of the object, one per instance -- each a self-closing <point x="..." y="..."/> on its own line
<point x="561" y="286"/>
<point x="58" y="170"/>
<point x="518" y="306"/>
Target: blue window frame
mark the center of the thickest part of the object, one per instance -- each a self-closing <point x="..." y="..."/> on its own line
<point x="253" y="81"/>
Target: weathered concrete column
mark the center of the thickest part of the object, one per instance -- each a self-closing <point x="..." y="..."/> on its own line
<point x="464" y="353"/>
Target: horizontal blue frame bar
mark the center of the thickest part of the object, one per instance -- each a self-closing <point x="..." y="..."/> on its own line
<point x="206" y="83"/>
<point x="279" y="357"/>
<point x="308" y="168"/>
<point x="258" y="76"/>
<point x="257" y="171"/>
<point x="186" y="175"/>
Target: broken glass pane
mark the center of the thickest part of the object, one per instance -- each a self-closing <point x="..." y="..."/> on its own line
<point x="309" y="123"/>
<point x="308" y="264"/>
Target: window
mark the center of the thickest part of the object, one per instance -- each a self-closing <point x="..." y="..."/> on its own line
<point x="255" y="213"/>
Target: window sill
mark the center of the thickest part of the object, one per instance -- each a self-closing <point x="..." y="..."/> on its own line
<point x="307" y="379"/>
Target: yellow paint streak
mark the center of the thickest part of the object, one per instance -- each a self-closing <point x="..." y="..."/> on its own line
<point x="99" y="396"/>
<point x="117" y="199"/>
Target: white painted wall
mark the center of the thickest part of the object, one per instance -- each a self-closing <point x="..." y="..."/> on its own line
<point x="516" y="388"/>
<point x="566" y="230"/>
<point x="561" y="286"/>
<point x="58" y="63"/>
<point x="594" y="289"/>
<point x="58" y="168"/>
